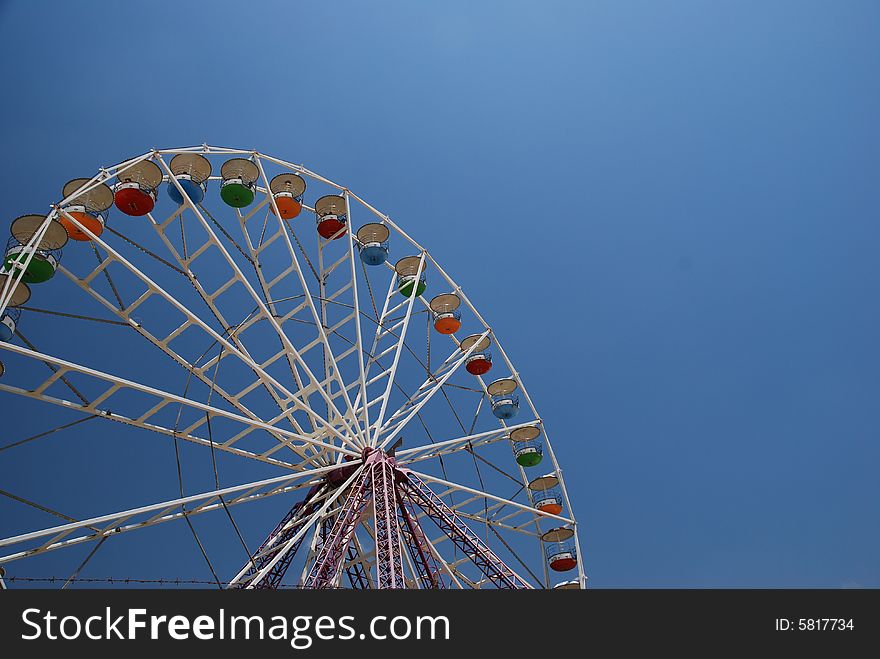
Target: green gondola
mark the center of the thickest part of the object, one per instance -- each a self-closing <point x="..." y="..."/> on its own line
<point x="40" y="269"/>
<point x="237" y="195"/>
<point x="406" y="286"/>
<point x="529" y="457"/>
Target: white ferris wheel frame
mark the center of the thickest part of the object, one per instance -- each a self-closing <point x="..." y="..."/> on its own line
<point x="322" y="446"/>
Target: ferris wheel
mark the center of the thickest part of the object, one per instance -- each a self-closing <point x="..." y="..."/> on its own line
<point x="245" y="305"/>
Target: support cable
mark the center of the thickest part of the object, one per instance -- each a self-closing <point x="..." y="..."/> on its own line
<point x="302" y="251"/>
<point x="145" y="251"/>
<point x="32" y="504"/>
<point x="107" y="276"/>
<point x="227" y="234"/>
<point x="48" y="432"/>
<point x="77" y="316"/>
<point x="54" y="369"/>
<point x="217" y="474"/>
<point x="75" y="574"/>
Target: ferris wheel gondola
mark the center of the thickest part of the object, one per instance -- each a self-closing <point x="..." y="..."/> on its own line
<point x="137" y="188"/>
<point x="191" y="171"/>
<point x="86" y="212"/>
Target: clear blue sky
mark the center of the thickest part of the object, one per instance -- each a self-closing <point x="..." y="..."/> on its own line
<point x="668" y="209"/>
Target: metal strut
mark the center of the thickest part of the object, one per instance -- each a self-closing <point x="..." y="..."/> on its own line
<point x="354" y="568"/>
<point x="276" y="540"/>
<point x="396" y="494"/>
<point x="357" y="575"/>
<point x="466" y="540"/>
<point x="389" y="563"/>
<point x="428" y="570"/>
<point x="326" y="568"/>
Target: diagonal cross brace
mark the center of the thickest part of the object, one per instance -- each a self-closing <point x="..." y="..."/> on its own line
<point x="275" y="542"/>
<point x="327" y="564"/>
<point x="389" y="564"/>
<point x="462" y="537"/>
<point x="357" y="575"/>
<point x="427" y="570"/>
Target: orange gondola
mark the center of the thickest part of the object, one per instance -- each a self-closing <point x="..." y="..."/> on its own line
<point x="447" y="317"/>
<point x="86" y="209"/>
<point x="546" y="494"/>
<point x="287" y="191"/>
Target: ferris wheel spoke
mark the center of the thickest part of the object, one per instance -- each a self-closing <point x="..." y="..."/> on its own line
<point x="306" y="391"/>
<point x="392" y="371"/>
<point x="258" y="300"/>
<point x="486" y="515"/>
<point x="201" y="372"/>
<point x="159" y="400"/>
<point x="362" y="398"/>
<point x="315" y="517"/>
<point x="266" y="456"/>
<point x="429" y="451"/>
<point x="58" y="537"/>
<point x="426" y="391"/>
<point x="210" y="300"/>
<point x="487" y="520"/>
<point x="491" y="497"/>
<point x="500" y="515"/>
<point x="266" y="288"/>
<point x="192" y="320"/>
<point x="151" y="289"/>
<point x="320" y="323"/>
<point x="347" y="285"/>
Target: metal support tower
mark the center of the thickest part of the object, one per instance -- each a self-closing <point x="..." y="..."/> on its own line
<point x="287" y="528"/>
<point x="396" y="494"/>
<point x="429" y="572"/>
<point x="462" y="537"/>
